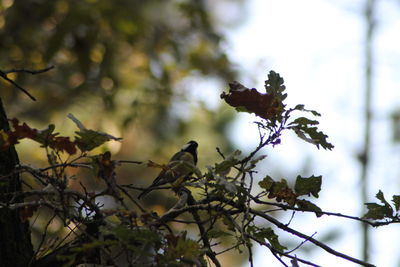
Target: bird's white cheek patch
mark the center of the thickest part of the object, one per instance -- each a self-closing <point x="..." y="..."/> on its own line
<point x="185" y="146"/>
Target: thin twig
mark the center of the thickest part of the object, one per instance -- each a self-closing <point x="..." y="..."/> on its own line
<point x="3" y="74"/>
<point x="299" y="245"/>
<point x="33" y="72"/>
<point x="129" y="161"/>
<point x="287" y="207"/>
<point x="203" y="234"/>
<point x="275" y="252"/>
<point x="312" y="240"/>
<point x="261" y="214"/>
<point x="131" y="198"/>
<point x="44" y="234"/>
<point x="220" y="153"/>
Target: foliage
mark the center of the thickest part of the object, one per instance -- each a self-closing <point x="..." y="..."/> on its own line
<point x="105" y="51"/>
<point x="269" y="106"/>
<point x="85" y="139"/>
<point x="227" y="208"/>
<point x="121" y="67"/>
<point x="131" y="60"/>
<point x="384" y="213"/>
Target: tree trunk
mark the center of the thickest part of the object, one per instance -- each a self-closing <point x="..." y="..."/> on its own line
<point x="15" y="239"/>
<point x="366" y="153"/>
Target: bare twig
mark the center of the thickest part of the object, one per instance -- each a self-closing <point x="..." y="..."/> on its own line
<point x="220" y="153"/>
<point x="299" y="245"/>
<point x="287" y="207"/>
<point x="203" y="234"/>
<point x="129" y="161"/>
<point x="240" y="209"/>
<point x="275" y="252"/>
<point x="131" y="198"/>
<point x="3" y="74"/>
<point x="44" y="234"/>
<point x="33" y="72"/>
<point x="312" y="240"/>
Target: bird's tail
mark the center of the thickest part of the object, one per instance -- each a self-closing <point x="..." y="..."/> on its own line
<point x="145" y="192"/>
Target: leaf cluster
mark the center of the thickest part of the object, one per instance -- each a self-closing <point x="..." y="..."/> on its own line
<point x="384" y="212"/>
<point x="269" y="106"/>
<point x="85" y="139"/>
<point x="222" y="201"/>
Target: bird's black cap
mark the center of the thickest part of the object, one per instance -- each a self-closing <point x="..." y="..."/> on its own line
<point x="191" y="147"/>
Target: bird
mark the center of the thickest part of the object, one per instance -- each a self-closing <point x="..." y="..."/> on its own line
<point x="179" y="167"/>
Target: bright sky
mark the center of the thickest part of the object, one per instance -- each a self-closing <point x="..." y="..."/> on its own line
<point x="317" y="46"/>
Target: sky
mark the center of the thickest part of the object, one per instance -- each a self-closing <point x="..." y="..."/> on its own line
<point x="317" y="47"/>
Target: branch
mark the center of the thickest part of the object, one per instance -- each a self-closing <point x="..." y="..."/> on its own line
<point x="3" y="74"/>
<point x="129" y="161"/>
<point x="175" y="213"/>
<point x="287" y="207"/>
<point x="241" y="208"/>
<point x="274" y="251"/>
<point x="203" y="234"/>
<point x="309" y="238"/>
<point x="273" y="135"/>
<point x="33" y="72"/>
<point x="192" y="208"/>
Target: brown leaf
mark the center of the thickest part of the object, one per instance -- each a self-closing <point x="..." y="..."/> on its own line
<point x="23" y="131"/>
<point x="266" y="106"/>
<point x="106" y="166"/>
<point x="63" y="143"/>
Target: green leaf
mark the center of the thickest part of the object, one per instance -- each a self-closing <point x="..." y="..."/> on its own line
<point x="304" y="121"/>
<point x="312" y="135"/>
<point x="301" y="108"/>
<point x="274" y="84"/>
<point x="179" y="247"/>
<point x="187" y="248"/>
<point x="125" y="235"/>
<point x="307" y="186"/>
<point x="279" y="186"/>
<point x="269" y="234"/>
<point x="381" y="197"/>
<point x="258" y="159"/>
<point x="304" y="129"/>
<point x="307" y="205"/>
<point x="396" y="202"/>
<point x="228" y="222"/>
<point x="87" y="139"/>
<point x="217" y="234"/>
<point x="43" y="136"/>
<point x="378" y="212"/>
<point x="225" y="166"/>
<point x="266" y="183"/>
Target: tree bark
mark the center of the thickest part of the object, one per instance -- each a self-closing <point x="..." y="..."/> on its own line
<point x="15" y="239"/>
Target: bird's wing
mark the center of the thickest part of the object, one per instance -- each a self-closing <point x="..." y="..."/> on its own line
<point x="181" y="164"/>
<point x="158" y="181"/>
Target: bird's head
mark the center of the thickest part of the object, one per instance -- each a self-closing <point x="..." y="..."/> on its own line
<point x="191" y="147"/>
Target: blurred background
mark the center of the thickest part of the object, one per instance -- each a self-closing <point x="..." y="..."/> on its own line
<point x="152" y="72"/>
